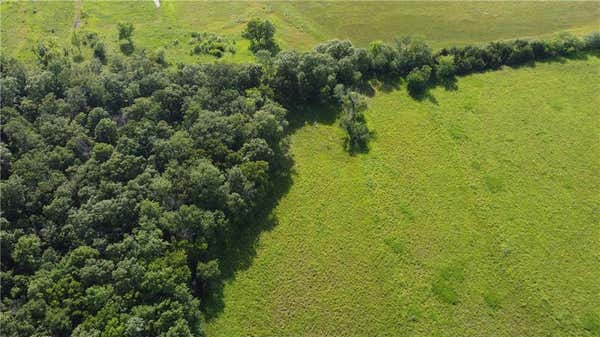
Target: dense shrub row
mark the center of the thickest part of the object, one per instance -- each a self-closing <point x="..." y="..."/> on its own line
<point x="297" y="78"/>
<point x="301" y="77"/>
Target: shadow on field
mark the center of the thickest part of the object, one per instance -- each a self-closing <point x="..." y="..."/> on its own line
<point x="425" y="95"/>
<point x="324" y="113"/>
<point x="388" y="84"/>
<point x="240" y="246"/>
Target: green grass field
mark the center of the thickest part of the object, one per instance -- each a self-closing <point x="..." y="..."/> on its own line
<point x="300" y="25"/>
<point x="474" y="214"/>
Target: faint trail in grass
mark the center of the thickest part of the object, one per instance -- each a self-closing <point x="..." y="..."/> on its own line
<point x="77" y="14"/>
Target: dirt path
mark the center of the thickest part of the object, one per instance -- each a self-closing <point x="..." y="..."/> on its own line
<point x="77" y="14"/>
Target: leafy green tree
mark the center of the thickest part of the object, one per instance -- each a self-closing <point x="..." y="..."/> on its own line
<point x="125" y="30"/>
<point x="106" y="131"/>
<point x="592" y="41"/>
<point x="417" y="80"/>
<point x="353" y="122"/>
<point x="384" y="59"/>
<point x="445" y="68"/>
<point x="412" y="53"/>
<point x="358" y="134"/>
<point x="27" y="252"/>
<point x="261" y="34"/>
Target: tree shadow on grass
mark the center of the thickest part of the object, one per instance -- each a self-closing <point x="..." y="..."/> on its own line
<point x="388" y="84"/>
<point x="449" y="84"/>
<point x="424" y="95"/>
<point x="240" y="246"/>
<point x="316" y="113"/>
<point x="365" y="88"/>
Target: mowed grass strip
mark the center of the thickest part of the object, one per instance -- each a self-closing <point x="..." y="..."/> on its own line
<point x="493" y="233"/>
<point x="300" y="25"/>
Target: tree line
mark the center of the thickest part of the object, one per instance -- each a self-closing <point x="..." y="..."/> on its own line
<point x="335" y="71"/>
<point x="122" y="177"/>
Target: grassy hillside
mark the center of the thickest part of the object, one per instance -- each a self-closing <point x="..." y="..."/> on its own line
<point x="474" y="214"/>
<point x="300" y="24"/>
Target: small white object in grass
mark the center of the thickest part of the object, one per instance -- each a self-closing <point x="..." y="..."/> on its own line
<point x="157" y="3"/>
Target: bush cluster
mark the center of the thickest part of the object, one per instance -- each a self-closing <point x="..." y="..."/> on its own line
<point x="206" y="43"/>
<point x="125" y="37"/>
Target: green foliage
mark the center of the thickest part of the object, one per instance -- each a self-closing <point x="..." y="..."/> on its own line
<point x="27" y="252"/>
<point x="358" y="134"/>
<point x="354" y="123"/>
<point x="261" y="34"/>
<point x="121" y="183"/>
<point x="206" y="43"/>
<point x="106" y="131"/>
<point x="417" y="80"/>
<point x="445" y="68"/>
<point x="592" y="41"/>
<point x="129" y="178"/>
<point x="125" y="30"/>
<point x="126" y="46"/>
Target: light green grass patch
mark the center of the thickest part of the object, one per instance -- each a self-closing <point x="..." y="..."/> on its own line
<point x="300" y="25"/>
<point x="345" y="261"/>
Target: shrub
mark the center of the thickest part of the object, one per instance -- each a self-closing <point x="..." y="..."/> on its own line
<point x="541" y="50"/>
<point x="125" y="30"/>
<point x="126" y="46"/>
<point x="211" y="44"/>
<point x="357" y="132"/>
<point x="261" y="35"/>
<point x="102" y="151"/>
<point x="417" y="80"/>
<point x="592" y="41"/>
<point x="160" y="56"/>
<point x="521" y="53"/>
<point x="100" y="51"/>
<point x="445" y="67"/>
<point x="567" y="44"/>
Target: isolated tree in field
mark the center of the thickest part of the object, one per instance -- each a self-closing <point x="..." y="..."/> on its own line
<point x="125" y="34"/>
<point x="125" y="30"/>
<point x="261" y="35"/>
<point x="354" y="123"/>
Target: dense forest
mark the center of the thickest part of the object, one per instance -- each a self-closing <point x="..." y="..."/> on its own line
<point x="124" y="176"/>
